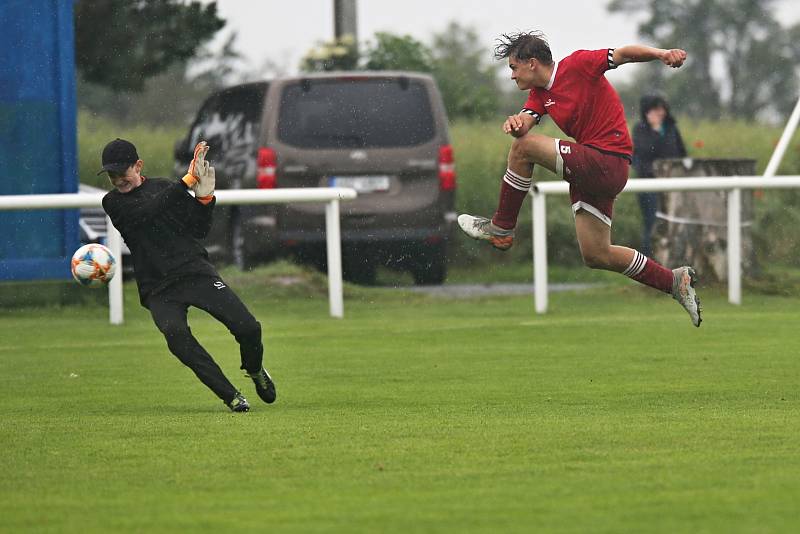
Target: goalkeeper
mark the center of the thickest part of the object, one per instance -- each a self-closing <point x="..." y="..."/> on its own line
<point x="162" y="223"/>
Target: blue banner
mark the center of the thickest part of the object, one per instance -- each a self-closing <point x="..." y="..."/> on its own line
<point x="38" y="146"/>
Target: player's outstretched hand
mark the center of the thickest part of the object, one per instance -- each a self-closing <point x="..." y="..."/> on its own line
<point x="200" y="176"/>
<point x="673" y="58"/>
<point x="515" y="126"/>
<point x="198" y="161"/>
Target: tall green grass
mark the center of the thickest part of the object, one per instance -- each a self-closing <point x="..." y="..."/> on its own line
<point x="481" y="150"/>
<point x="154" y="144"/>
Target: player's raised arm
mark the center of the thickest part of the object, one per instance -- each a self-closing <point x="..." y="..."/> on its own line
<point x="673" y="57"/>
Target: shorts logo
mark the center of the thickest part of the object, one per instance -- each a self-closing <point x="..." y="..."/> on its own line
<point x="565" y="149"/>
<point x="219" y="284"/>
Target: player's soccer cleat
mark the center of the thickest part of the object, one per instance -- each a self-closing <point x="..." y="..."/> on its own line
<point x="239" y="404"/>
<point x="683" y="281"/>
<point x="485" y="230"/>
<point x="265" y="387"/>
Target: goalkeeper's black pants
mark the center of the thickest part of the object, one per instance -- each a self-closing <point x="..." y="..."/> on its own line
<point x="169" y="309"/>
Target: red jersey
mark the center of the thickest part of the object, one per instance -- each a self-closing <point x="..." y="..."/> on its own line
<point x="583" y="103"/>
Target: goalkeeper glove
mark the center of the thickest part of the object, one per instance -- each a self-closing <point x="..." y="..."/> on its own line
<point x="200" y="176"/>
<point x="204" y="189"/>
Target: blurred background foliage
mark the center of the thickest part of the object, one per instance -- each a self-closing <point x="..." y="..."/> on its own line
<point x="734" y="112"/>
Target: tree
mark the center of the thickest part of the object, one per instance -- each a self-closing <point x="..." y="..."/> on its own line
<point x="467" y="82"/>
<point x="393" y="52"/>
<point x="757" y="55"/>
<point x="120" y="44"/>
<point x="172" y="96"/>
<point x="338" y="54"/>
<point x="217" y="70"/>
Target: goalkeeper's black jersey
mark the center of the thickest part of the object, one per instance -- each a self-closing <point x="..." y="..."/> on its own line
<point x="162" y="225"/>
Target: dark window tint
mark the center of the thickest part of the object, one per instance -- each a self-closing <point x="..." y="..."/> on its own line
<point x="355" y="113"/>
<point x="230" y="120"/>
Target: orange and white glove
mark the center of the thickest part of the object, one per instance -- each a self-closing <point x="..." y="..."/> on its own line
<point x="200" y="176"/>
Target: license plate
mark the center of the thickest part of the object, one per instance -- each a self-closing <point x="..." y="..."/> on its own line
<point x="362" y="184"/>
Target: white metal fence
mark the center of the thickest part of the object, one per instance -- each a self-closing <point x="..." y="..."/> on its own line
<point x="732" y="184"/>
<point x="330" y="195"/>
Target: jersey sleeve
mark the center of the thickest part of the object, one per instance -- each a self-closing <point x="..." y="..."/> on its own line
<point x="594" y="63"/>
<point x="533" y="106"/>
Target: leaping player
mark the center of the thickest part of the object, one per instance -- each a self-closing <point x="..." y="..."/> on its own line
<point x="579" y="99"/>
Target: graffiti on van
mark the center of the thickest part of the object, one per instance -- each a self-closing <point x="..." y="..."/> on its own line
<point x="232" y="139"/>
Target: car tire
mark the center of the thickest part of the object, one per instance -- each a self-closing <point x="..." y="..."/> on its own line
<point x="236" y="239"/>
<point x="430" y="267"/>
<point x="359" y="269"/>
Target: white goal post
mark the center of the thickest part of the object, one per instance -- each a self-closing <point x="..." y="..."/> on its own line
<point x="732" y="184"/>
<point x="330" y="195"/>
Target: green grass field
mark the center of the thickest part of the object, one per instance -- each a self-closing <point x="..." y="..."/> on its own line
<point x="413" y="414"/>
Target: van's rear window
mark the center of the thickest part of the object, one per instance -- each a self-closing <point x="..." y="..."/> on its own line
<point x="355" y="113"/>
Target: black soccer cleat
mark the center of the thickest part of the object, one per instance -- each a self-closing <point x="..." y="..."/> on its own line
<point x="265" y="387"/>
<point x="239" y="404"/>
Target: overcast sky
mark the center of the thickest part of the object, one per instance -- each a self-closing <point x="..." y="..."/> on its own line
<point x="282" y="31"/>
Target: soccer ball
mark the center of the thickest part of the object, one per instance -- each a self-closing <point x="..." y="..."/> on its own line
<point x="93" y="265"/>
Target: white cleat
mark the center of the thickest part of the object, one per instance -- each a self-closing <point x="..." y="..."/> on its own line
<point x="683" y="281"/>
<point x="483" y="229"/>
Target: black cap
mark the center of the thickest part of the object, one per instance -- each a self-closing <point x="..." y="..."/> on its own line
<point x="118" y="155"/>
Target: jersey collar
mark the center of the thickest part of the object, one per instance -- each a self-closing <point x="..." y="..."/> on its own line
<point x="552" y="77"/>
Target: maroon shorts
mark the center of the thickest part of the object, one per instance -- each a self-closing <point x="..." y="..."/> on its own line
<point x="595" y="178"/>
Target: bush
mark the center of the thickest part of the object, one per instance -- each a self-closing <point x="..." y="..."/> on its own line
<point x="481" y="150"/>
<point x="154" y="145"/>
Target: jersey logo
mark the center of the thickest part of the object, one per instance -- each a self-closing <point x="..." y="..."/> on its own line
<point x="549" y="102"/>
<point x="219" y="285"/>
<point x="565" y="149"/>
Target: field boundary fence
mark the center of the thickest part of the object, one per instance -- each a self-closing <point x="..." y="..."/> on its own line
<point x="330" y="195"/>
<point x="732" y="184"/>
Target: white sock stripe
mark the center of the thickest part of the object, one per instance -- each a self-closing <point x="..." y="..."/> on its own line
<point x="517" y="176"/>
<point x="516" y="181"/>
<point x="637" y="264"/>
<point x="640" y="264"/>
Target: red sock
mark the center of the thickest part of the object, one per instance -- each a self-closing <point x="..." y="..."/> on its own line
<point x="648" y="272"/>
<point x="513" y="191"/>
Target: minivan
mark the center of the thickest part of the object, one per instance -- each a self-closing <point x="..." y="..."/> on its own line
<point x="382" y="133"/>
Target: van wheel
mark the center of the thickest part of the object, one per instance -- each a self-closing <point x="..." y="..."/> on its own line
<point x="240" y="255"/>
<point x="359" y="269"/>
<point x="236" y="238"/>
<point x="430" y="268"/>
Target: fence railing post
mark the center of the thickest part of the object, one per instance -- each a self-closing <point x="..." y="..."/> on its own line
<point x="735" y="246"/>
<point x="115" y="303"/>
<point x="334" y="250"/>
<point x="539" y="216"/>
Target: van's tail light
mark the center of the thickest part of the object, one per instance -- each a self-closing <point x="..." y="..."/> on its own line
<point x="267" y="161"/>
<point x="447" y="168"/>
